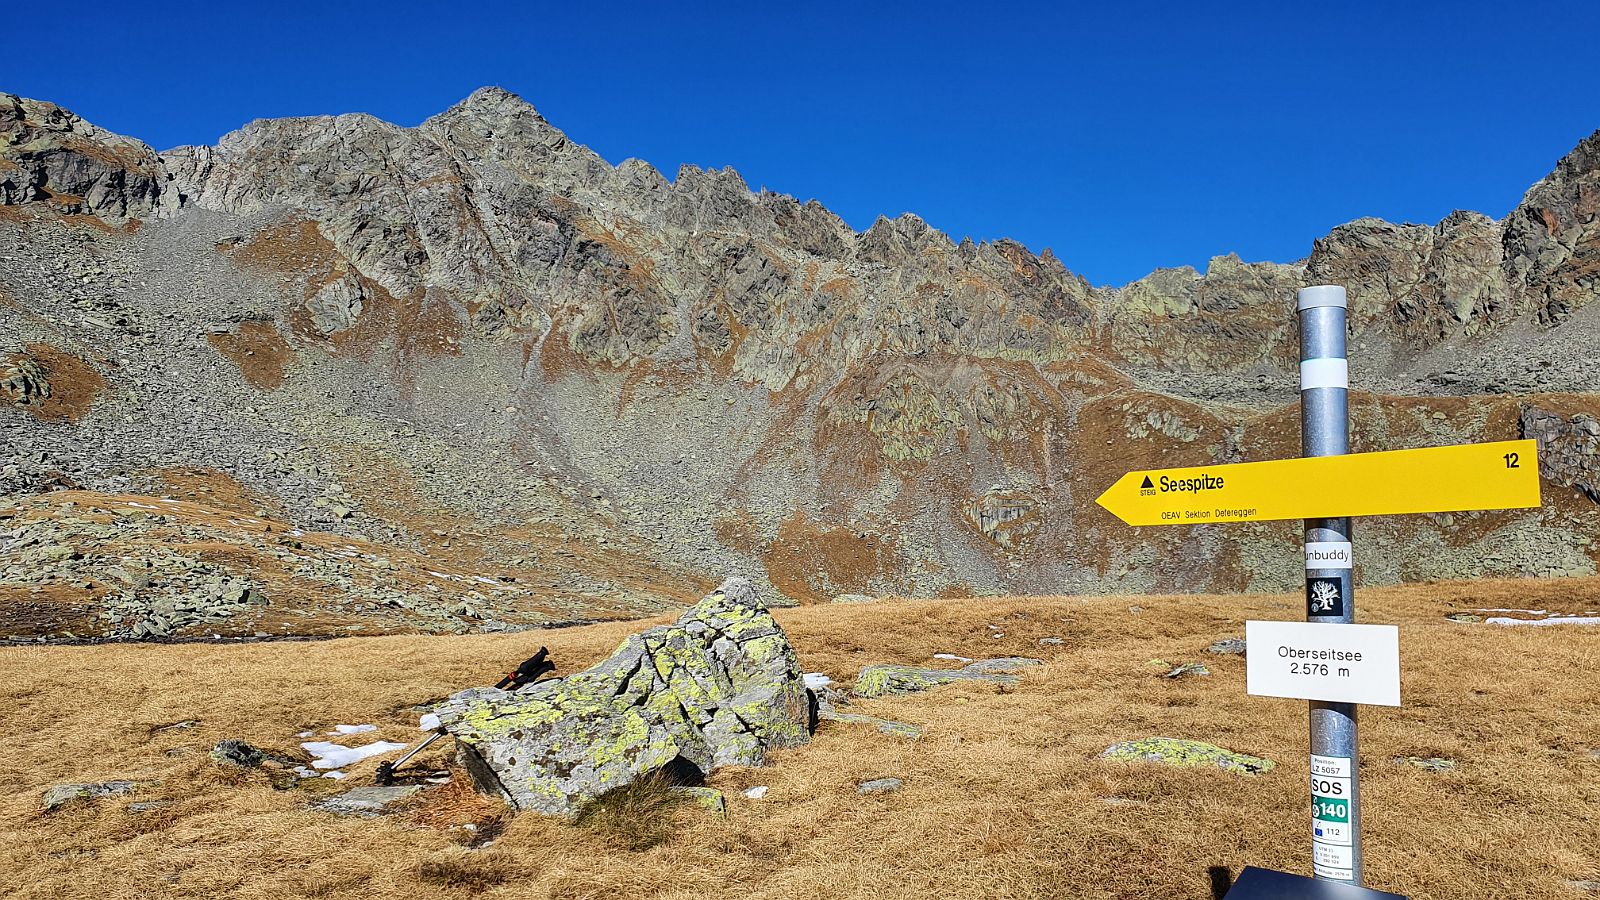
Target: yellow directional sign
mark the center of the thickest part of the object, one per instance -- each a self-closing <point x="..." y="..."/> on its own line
<point x="1502" y="475"/>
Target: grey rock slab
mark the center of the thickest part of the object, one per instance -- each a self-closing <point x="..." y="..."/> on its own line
<point x="878" y="680"/>
<point x="62" y="794"/>
<point x="1187" y="753"/>
<point x="1228" y="646"/>
<point x="880" y="786"/>
<point x="366" y="801"/>
<point x="828" y="713"/>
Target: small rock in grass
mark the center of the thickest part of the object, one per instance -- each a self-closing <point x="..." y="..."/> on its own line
<point x="1051" y="642"/>
<point x="237" y="753"/>
<point x="1231" y="646"/>
<point x="1181" y="752"/>
<point x="149" y="806"/>
<point x="1464" y="618"/>
<point x="880" y="786"/>
<point x="886" y="726"/>
<point x="176" y="726"/>
<point x="1187" y="669"/>
<point x="875" y="681"/>
<point x="756" y="793"/>
<point x="1003" y="664"/>
<point x="366" y="801"/>
<point x="62" y="794"/>
<point x="1426" y="763"/>
<point x="710" y="799"/>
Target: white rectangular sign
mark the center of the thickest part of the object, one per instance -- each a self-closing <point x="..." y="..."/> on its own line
<point x="1328" y="555"/>
<point x="1333" y="663"/>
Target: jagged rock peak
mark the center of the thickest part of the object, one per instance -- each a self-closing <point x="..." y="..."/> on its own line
<point x="1582" y="160"/>
<point x="493" y="102"/>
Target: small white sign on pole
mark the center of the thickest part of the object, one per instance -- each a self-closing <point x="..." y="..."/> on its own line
<point x="1328" y="662"/>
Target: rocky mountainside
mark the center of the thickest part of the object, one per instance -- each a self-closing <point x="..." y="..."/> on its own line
<point x="476" y="341"/>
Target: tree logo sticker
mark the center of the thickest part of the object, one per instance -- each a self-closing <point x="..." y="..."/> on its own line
<point x="1324" y="597"/>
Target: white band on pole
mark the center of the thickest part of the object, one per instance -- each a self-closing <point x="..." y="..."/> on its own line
<point x="1321" y="373"/>
<point x="1321" y="295"/>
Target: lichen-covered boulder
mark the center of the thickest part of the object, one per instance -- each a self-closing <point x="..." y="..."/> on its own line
<point x="719" y="687"/>
<point x="1181" y="752"/>
<point x="875" y="681"/>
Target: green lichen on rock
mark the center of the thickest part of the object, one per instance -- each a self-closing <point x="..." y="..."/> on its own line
<point x="876" y="681"/>
<point x="709" y="799"/>
<point x="1181" y="752"/>
<point x="721" y="686"/>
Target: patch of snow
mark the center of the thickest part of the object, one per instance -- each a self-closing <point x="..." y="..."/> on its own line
<point x="142" y="505"/>
<point x="442" y="575"/>
<point x="304" y="772"/>
<point x="816" y="680"/>
<point x="305" y="734"/>
<point x="428" y="722"/>
<point x="1553" y="620"/>
<point x="336" y="774"/>
<point x="333" y="756"/>
<point x="296" y="532"/>
<point x="1531" y="612"/>
<point x="952" y="657"/>
<point x="756" y="793"/>
<point x="482" y="580"/>
<point x="353" y="729"/>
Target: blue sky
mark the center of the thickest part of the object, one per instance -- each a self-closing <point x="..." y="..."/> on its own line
<point x="1124" y="136"/>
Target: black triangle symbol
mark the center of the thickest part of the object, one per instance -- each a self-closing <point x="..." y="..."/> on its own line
<point x="1147" y="483"/>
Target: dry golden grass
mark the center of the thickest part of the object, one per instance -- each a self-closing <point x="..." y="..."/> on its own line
<point x="1004" y="797"/>
<point x="634" y="816"/>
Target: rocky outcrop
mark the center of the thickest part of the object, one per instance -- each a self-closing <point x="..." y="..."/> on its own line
<point x="719" y="687"/>
<point x="23" y="381"/>
<point x="1552" y="239"/>
<point x="47" y="154"/>
<point x="1569" y="449"/>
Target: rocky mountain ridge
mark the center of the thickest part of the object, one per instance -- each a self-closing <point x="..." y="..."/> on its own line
<point x="484" y="319"/>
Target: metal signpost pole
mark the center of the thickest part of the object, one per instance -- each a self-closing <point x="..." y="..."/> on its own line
<point x="1330" y="598"/>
